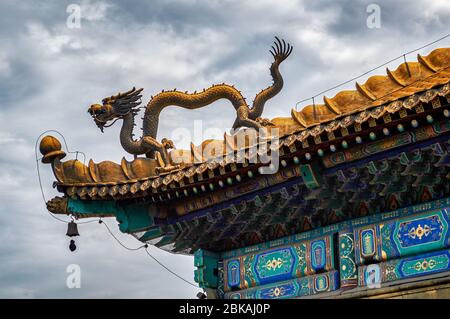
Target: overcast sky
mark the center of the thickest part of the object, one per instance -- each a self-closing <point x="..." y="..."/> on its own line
<point x="50" y="74"/>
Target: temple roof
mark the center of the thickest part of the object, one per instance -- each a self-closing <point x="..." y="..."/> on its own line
<point x="375" y="149"/>
<point x="411" y="83"/>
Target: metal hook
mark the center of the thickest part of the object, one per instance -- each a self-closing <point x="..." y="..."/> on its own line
<point x="407" y="66"/>
<point x="314" y="109"/>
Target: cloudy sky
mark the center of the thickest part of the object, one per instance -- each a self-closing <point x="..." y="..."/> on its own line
<point x="50" y="73"/>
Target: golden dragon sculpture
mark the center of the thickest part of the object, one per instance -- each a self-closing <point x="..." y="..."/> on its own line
<point x="125" y="106"/>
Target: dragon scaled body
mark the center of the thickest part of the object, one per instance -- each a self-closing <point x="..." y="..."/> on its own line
<point x="124" y="106"/>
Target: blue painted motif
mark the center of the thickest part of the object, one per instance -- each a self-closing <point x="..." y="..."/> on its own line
<point x="286" y="290"/>
<point x="300" y="287"/>
<point x="318" y="254"/>
<point x="233" y="268"/>
<point x="415" y="232"/>
<point x="400" y="237"/>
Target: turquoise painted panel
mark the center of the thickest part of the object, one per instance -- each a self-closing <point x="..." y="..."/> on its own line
<point x="275" y="264"/>
<point x="348" y="271"/>
<point x="93" y="207"/>
<point x="300" y="287"/>
<point x="401" y="237"/>
<point x="279" y="264"/>
<point x="134" y="217"/>
<point x="310" y="176"/>
<point x="408" y="267"/>
<point x="207" y="263"/>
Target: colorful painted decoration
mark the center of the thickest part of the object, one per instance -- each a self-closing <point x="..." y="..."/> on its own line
<point x="402" y="237"/>
<point x="403" y="244"/>
<point x="283" y="263"/>
<point x="301" y="287"/>
<point x="364" y="150"/>
<point x="347" y="268"/>
<point x="397" y="269"/>
<point x="234" y="273"/>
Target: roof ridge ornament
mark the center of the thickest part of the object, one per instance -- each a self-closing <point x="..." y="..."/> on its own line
<point x="125" y="106"/>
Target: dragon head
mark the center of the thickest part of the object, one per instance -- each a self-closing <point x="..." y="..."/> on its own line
<point x="115" y="107"/>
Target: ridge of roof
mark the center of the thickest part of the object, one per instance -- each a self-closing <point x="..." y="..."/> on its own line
<point x="379" y="95"/>
<point x="378" y="89"/>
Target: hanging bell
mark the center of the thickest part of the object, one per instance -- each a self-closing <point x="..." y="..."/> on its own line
<point x="72" y="229"/>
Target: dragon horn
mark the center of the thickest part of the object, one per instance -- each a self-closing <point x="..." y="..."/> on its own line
<point x="273" y="54"/>
<point x="286" y="47"/>
<point x="280" y="44"/>
<point x="278" y="47"/>
<point x="290" y="51"/>
<point x="136" y="93"/>
<point x="274" y="50"/>
<point x="128" y="92"/>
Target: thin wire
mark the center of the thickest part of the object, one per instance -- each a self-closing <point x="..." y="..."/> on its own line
<point x="169" y="270"/>
<point x="88" y="222"/>
<point x="428" y="44"/>
<point x="371" y="70"/>
<point x="40" y="180"/>
<point x="39" y="172"/>
<point x="65" y="144"/>
<point x="121" y="244"/>
<point x="45" y="201"/>
<point x="148" y="253"/>
<point x="43" y="195"/>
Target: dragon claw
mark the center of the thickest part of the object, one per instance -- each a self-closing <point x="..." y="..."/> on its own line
<point x="264" y="121"/>
<point x="168" y="168"/>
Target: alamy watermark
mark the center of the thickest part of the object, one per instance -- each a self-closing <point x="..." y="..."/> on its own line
<point x="74" y="278"/>
<point x="372" y="276"/>
<point x="374" y="18"/>
<point x="73" y="20"/>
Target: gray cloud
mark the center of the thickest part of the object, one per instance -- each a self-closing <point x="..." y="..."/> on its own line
<point x="49" y="74"/>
